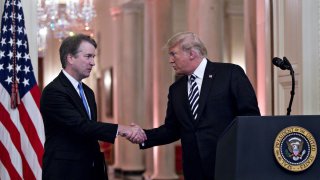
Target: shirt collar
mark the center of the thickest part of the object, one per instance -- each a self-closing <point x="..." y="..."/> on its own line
<point x="73" y="81"/>
<point x="199" y="72"/>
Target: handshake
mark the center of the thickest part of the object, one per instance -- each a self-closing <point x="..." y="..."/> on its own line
<point x="133" y="133"/>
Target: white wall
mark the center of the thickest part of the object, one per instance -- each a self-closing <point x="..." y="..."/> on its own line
<point x="310" y="56"/>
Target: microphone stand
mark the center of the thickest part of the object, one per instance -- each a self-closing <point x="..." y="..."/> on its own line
<point x="292" y="85"/>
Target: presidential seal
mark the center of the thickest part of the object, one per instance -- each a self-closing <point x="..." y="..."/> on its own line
<point x="295" y="148"/>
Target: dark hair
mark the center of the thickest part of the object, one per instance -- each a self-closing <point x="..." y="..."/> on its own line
<point x="71" y="44"/>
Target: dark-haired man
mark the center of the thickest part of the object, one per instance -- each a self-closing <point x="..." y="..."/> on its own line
<point x="69" y="113"/>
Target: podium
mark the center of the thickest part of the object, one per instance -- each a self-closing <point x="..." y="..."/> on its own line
<point x="246" y="149"/>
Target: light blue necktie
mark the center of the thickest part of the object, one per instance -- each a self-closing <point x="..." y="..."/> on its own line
<point x="84" y="99"/>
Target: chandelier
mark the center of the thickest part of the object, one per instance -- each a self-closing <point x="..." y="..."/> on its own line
<point x="64" y="18"/>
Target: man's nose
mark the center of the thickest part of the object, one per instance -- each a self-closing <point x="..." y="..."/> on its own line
<point x="92" y="62"/>
<point x="171" y="59"/>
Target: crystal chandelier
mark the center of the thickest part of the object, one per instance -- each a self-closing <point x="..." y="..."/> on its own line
<point x="64" y="18"/>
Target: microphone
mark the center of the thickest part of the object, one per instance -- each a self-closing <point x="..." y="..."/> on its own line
<point x="282" y="64"/>
<point x="285" y="64"/>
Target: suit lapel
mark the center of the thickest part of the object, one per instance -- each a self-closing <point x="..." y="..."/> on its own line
<point x="186" y="103"/>
<point x="181" y="102"/>
<point x="207" y="82"/>
<point x="71" y="91"/>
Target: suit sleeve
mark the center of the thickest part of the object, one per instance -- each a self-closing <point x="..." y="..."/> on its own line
<point x="59" y="111"/>
<point x="244" y="94"/>
<point x="166" y="133"/>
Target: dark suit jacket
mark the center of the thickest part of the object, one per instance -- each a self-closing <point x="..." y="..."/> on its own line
<point x="225" y="93"/>
<point x="71" y="147"/>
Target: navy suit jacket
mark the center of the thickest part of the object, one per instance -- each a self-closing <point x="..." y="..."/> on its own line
<point x="225" y="93"/>
<point x="71" y="146"/>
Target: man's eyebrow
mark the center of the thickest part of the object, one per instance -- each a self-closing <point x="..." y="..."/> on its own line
<point x="172" y="53"/>
<point x="90" y="54"/>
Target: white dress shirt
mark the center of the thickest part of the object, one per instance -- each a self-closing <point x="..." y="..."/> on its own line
<point x="199" y="72"/>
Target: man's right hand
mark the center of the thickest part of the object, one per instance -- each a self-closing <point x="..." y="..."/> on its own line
<point x="133" y="133"/>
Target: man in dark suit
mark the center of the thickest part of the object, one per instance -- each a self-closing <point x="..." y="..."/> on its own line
<point x="69" y="113"/>
<point x="222" y="91"/>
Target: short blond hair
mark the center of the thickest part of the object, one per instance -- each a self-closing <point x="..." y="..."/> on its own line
<point x="187" y="41"/>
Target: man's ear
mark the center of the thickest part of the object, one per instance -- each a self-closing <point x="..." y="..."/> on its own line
<point x="70" y="59"/>
<point x="192" y="54"/>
